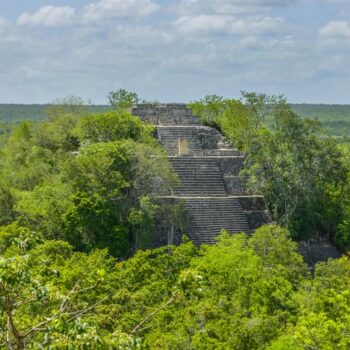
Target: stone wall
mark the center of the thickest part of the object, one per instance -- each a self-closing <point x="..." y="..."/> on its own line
<point x="166" y="114"/>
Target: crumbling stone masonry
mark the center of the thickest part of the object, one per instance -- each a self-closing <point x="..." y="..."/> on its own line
<point x="213" y="193"/>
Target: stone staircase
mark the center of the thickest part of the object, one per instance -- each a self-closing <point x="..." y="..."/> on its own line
<point x="208" y="216"/>
<point x="208" y="168"/>
<point x="198" y="177"/>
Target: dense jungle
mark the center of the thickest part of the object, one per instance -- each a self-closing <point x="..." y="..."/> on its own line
<point x="78" y="185"/>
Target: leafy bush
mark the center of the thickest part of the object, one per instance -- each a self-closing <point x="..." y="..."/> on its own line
<point x="240" y="293"/>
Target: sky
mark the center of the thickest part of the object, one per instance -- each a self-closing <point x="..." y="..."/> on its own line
<point x="174" y="50"/>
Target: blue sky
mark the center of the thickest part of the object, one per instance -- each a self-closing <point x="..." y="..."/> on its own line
<point x="174" y="50"/>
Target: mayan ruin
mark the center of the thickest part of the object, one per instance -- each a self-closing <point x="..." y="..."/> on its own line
<point x="213" y="192"/>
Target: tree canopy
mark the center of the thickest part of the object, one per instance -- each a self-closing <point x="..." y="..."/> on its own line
<point x="84" y="179"/>
<point x="122" y="99"/>
<point x="241" y="293"/>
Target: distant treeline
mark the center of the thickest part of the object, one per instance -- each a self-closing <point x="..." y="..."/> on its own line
<point x="335" y="118"/>
<point x="12" y="114"/>
<point x="18" y="112"/>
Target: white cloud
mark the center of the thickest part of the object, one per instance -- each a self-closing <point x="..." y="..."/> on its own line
<point x="49" y="16"/>
<point x="229" y="24"/>
<point x="207" y="46"/>
<point x="229" y="6"/>
<point x="335" y="30"/>
<point x="107" y="9"/>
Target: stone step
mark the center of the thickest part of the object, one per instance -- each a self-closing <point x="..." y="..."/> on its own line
<point x="208" y="217"/>
<point x="217" y="153"/>
<point x="198" y="176"/>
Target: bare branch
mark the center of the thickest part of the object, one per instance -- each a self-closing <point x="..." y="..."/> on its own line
<point x="8" y="336"/>
<point x="151" y="315"/>
<point x="84" y="311"/>
<point x="19" y="303"/>
<point x="84" y="289"/>
<point x="58" y="313"/>
<point x="14" y="335"/>
<point x="8" y="307"/>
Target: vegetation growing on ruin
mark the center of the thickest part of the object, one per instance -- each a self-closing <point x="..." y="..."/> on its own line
<point x="77" y="206"/>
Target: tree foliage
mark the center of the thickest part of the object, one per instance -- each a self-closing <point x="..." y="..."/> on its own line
<point x="300" y="172"/>
<point x="112" y="126"/>
<point x="241" y="293"/>
<point x="122" y="99"/>
<point x="71" y="105"/>
<point x="82" y="179"/>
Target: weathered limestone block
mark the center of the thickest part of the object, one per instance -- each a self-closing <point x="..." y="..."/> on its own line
<point x="231" y="165"/>
<point x="235" y="185"/>
<point x="252" y="203"/>
<point x="256" y="219"/>
<point x="165" y="114"/>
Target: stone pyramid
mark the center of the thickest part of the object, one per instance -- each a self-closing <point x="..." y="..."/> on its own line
<point x="211" y="188"/>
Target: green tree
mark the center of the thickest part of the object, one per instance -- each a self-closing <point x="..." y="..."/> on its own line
<point x="229" y="298"/>
<point x="239" y="120"/>
<point x="25" y="164"/>
<point x="208" y="109"/>
<point x="112" y="126"/>
<point x="238" y="124"/>
<point x="43" y="208"/>
<point x="240" y="293"/>
<point x="42" y="305"/>
<point x="110" y="181"/>
<point x="122" y="99"/>
<point x="101" y="195"/>
<point x="69" y="105"/>
<point x="172" y="218"/>
<point x="57" y="134"/>
<point x="343" y="229"/>
<point x="6" y="205"/>
<point x="298" y="171"/>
